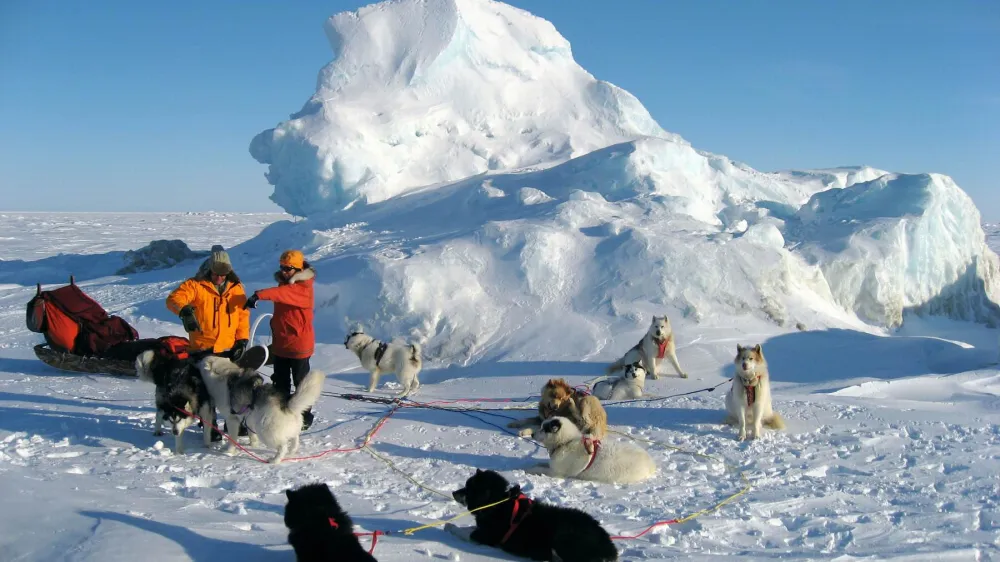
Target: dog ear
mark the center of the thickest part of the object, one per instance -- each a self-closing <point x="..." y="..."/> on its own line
<point x="739" y="348"/>
<point x="478" y="471"/>
<point x="758" y="350"/>
<point x="515" y="490"/>
<point x="289" y="493"/>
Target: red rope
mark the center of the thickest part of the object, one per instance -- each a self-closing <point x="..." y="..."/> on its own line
<point x="648" y="529"/>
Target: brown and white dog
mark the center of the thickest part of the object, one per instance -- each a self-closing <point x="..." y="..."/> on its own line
<point x="652" y="349"/>
<point x="560" y="399"/>
<point x="749" y="399"/>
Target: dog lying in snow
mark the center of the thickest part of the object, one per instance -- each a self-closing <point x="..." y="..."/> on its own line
<point x="626" y="387"/>
<point x="529" y="528"/>
<point x="319" y="530"/>
<point x="575" y="455"/>
<point x="749" y="399"/>
<point x="560" y="399"/>
<point x="178" y="387"/>
<point x="382" y="357"/>
<point x="657" y="344"/>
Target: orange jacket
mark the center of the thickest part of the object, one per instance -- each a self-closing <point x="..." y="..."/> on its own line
<point x="221" y="317"/>
<point x="292" y="335"/>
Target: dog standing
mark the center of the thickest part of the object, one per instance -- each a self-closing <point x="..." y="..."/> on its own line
<point x="749" y="399"/>
<point x="652" y="349"/>
<point x="626" y="387"/>
<point x="529" y="528"/>
<point x="319" y="530"/>
<point x="570" y="456"/>
<point x="271" y="415"/>
<point x="560" y="399"/>
<point x="382" y="357"/>
<point x="178" y="387"/>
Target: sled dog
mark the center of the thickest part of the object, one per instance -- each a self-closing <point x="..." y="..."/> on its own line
<point x="611" y="462"/>
<point x="526" y="527"/>
<point x="319" y="530"/>
<point x="652" y="349"/>
<point x="382" y="357"/>
<point x="626" y="387"/>
<point x="749" y="399"/>
<point x="178" y="387"/>
<point x="560" y="399"/>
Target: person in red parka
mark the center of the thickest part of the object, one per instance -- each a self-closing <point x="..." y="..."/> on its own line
<point x="292" y="335"/>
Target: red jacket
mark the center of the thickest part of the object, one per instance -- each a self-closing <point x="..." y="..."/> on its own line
<point x="292" y="324"/>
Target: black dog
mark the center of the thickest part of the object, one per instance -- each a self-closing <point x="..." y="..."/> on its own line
<point x="529" y="528"/>
<point x="319" y="530"/>
<point x="180" y="391"/>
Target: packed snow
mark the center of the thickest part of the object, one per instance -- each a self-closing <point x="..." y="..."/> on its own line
<point x="468" y="186"/>
<point x="890" y="452"/>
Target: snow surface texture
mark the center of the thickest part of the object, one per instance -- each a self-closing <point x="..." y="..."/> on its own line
<point x="890" y="454"/>
<point x="546" y="172"/>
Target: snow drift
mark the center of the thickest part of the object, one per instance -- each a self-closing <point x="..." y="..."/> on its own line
<point x="468" y="184"/>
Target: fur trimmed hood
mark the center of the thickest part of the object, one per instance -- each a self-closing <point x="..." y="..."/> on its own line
<point x="307" y="273"/>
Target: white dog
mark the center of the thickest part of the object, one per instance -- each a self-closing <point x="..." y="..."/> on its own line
<point x="626" y="387"/>
<point x="749" y="399"/>
<point x="270" y="415"/>
<point x="381" y="357"/>
<point x="657" y="344"/>
<point x="611" y="462"/>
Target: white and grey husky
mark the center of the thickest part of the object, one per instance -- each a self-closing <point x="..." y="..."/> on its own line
<point x="383" y="357"/>
<point x="749" y="399"/>
<point x="219" y="374"/>
<point x="652" y="349"/>
<point x="611" y="462"/>
<point x="626" y="387"/>
<point x="272" y="416"/>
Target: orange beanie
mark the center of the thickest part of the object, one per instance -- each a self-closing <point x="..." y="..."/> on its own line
<point x="292" y="258"/>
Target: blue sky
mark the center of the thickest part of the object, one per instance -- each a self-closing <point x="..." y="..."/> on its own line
<point x="115" y="105"/>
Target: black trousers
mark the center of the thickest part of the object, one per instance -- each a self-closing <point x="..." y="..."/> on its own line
<point x="287" y="371"/>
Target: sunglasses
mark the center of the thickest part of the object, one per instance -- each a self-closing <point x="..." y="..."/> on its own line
<point x="287" y="268"/>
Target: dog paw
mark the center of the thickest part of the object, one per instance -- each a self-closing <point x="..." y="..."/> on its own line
<point x="742" y="436"/>
<point x="526" y="432"/>
<point x="684" y="375"/>
<point x="157" y="433"/>
<point x="231" y="451"/>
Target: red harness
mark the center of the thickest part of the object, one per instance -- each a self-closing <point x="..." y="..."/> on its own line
<point x="514" y="522"/>
<point x="662" y="347"/>
<point x="751" y="394"/>
<point x="374" y="534"/>
<point x="596" y="445"/>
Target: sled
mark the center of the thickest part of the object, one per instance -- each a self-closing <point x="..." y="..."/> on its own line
<point x="79" y="364"/>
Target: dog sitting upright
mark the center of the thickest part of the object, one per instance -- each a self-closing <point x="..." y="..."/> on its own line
<point x="560" y="399"/>
<point x="529" y="528"/>
<point x="657" y="344"/>
<point x="382" y="357"/>
<point x="319" y="530"/>
<point x="178" y="387"/>
<point x="749" y="399"/>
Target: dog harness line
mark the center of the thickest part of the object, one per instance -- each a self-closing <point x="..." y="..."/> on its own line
<point x="514" y="522"/>
<point x="596" y="445"/>
<point x="662" y="347"/>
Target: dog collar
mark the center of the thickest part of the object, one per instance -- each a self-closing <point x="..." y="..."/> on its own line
<point x="661" y="346"/>
<point x="514" y="522"/>
<point x="333" y="523"/>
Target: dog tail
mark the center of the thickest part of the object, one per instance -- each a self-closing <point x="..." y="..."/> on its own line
<point x="308" y="392"/>
<point x="774" y="421"/>
<point x="415" y="354"/>
<point x="144" y="364"/>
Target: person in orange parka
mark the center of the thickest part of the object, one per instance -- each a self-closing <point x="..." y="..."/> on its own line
<point x="292" y="334"/>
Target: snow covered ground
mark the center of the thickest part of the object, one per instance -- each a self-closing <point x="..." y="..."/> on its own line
<point x="891" y="451"/>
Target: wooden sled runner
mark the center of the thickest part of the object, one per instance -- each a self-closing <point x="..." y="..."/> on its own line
<point x="79" y="364"/>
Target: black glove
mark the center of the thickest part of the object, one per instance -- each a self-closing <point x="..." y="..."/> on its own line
<point x="251" y="302"/>
<point x="238" y="348"/>
<point x="188" y="319"/>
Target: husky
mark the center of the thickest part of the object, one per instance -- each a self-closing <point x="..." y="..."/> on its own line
<point x="319" y="530"/>
<point x="560" y="399"/>
<point x="526" y="527"/>
<point x="626" y="387"/>
<point x="382" y="357"/>
<point x="657" y="344"/>
<point x="179" y="389"/>
<point x="270" y="416"/>
<point x="610" y="462"/>
<point x="749" y="399"/>
<point x="219" y="374"/>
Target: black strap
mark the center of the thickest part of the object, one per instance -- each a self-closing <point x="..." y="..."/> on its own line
<point x="380" y="351"/>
